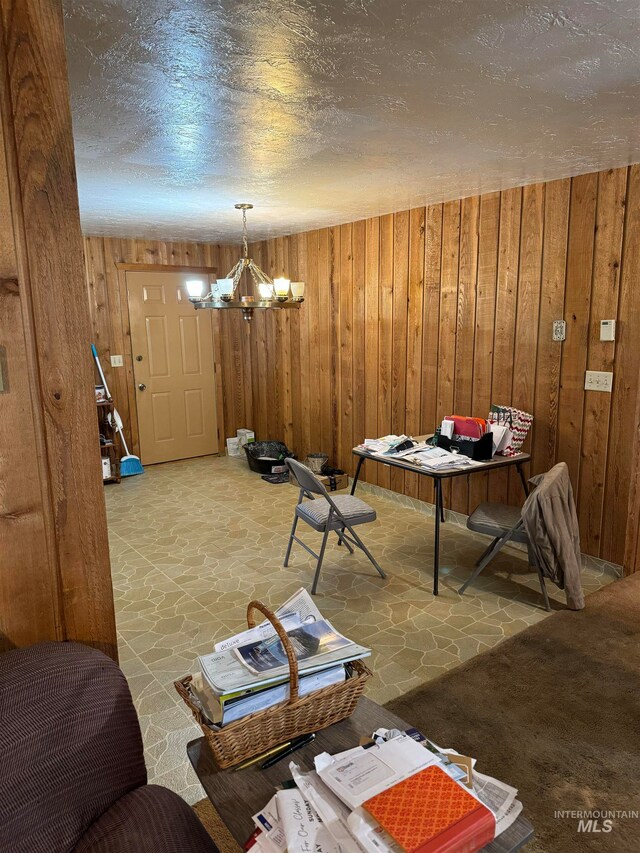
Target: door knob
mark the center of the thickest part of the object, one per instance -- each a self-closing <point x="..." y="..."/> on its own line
<point x="142" y="387"/>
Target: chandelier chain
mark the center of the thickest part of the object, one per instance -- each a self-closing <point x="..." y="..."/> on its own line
<point x="245" y="244"/>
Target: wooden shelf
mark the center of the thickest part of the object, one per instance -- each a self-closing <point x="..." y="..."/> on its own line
<point x="110" y="449"/>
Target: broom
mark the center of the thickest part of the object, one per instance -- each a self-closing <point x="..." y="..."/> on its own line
<point x="130" y="465"/>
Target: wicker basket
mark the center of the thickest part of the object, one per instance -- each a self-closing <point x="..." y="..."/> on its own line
<point x="297" y="716"/>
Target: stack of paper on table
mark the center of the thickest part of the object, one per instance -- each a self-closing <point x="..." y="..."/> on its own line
<point x="250" y="671"/>
<point x="436" y="458"/>
<point x="393" y="797"/>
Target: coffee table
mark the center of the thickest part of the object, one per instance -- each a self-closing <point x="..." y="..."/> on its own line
<point x="237" y="795"/>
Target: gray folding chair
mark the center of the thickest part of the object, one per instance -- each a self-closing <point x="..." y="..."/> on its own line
<point x="504" y="524"/>
<point x="326" y="514"/>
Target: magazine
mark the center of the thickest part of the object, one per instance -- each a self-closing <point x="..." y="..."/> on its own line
<point x="308" y="640"/>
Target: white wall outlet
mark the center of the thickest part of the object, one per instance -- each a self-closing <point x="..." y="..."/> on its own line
<point x="559" y="330"/>
<point x="116" y="361"/>
<point x="598" y="380"/>
<point x="607" y="330"/>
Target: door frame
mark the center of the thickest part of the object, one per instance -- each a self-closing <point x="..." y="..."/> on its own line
<point x="123" y="269"/>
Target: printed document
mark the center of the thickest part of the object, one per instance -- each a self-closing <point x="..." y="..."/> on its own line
<point x="359" y="774"/>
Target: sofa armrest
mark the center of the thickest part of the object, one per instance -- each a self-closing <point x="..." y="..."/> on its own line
<point x="70" y="744"/>
<point x="150" y="819"/>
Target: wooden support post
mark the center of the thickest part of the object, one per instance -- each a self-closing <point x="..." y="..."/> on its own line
<point x="55" y="581"/>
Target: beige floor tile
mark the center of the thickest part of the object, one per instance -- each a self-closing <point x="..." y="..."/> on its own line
<point x="193" y="542"/>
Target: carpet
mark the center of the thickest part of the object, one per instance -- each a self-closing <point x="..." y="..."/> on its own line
<point x="555" y="711"/>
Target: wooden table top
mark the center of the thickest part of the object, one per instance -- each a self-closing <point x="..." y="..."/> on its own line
<point x="237" y="795"/>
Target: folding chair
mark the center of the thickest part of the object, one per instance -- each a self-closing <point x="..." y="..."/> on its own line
<point x="504" y="524"/>
<point x="326" y="514"/>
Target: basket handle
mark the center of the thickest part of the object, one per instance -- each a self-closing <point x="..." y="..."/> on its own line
<point x="286" y="643"/>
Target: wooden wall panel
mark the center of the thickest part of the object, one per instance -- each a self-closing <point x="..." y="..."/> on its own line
<point x="612" y="189"/>
<point x="504" y="331"/>
<point x="399" y="335"/>
<point x="385" y="337"/>
<point x="345" y="329"/>
<point x="448" y="318"/>
<point x="430" y="331"/>
<point x="489" y="224"/>
<point x="582" y="221"/>
<point x="372" y="325"/>
<point x="359" y="251"/>
<point x="527" y="314"/>
<point x="554" y="261"/>
<point x="410" y="316"/>
<point x="465" y="329"/>
<point x="618" y="513"/>
<point x="416" y="286"/>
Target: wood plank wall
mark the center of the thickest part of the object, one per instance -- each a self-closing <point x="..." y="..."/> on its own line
<point x="415" y="315"/>
<point x="444" y="309"/>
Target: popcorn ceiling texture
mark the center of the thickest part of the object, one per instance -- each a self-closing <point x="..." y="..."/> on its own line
<point x="326" y="112"/>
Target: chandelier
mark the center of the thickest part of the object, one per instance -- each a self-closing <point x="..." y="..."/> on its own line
<point x="271" y="293"/>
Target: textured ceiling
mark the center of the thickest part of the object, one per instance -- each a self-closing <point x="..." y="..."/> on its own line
<point x="326" y="112"/>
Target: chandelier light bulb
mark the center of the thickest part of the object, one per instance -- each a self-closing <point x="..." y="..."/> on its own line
<point x="297" y="291"/>
<point x="281" y="287"/>
<point x="225" y="289"/>
<point x="265" y="290"/>
<point x="195" y="286"/>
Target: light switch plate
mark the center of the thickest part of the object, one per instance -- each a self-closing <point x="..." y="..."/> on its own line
<point x="598" y="380"/>
<point x="559" y="330"/>
<point x="116" y="361"/>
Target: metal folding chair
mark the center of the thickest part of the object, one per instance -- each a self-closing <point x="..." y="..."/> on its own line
<point x="326" y="514"/>
<point x="504" y="524"/>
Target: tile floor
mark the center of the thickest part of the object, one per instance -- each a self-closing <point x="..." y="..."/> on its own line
<point x="193" y="542"/>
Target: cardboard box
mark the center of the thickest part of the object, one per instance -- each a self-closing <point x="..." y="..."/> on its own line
<point x="341" y="482"/>
<point x="245" y="436"/>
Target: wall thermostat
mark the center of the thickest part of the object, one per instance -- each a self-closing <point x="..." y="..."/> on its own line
<point x="607" y="330"/>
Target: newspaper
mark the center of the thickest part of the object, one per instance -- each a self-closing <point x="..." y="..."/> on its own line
<point x="333" y="812"/>
<point x="496" y="796"/>
<point x="226" y="674"/>
<point x="509" y="817"/>
<point x="304" y="830"/>
<point x="296" y="610"/>
<point x="263" y="631"/>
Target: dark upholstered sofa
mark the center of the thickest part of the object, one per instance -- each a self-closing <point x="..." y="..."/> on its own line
<point x="72" y="771"/>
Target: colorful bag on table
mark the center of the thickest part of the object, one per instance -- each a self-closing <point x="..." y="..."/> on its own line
<point x="518" y="422"/>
